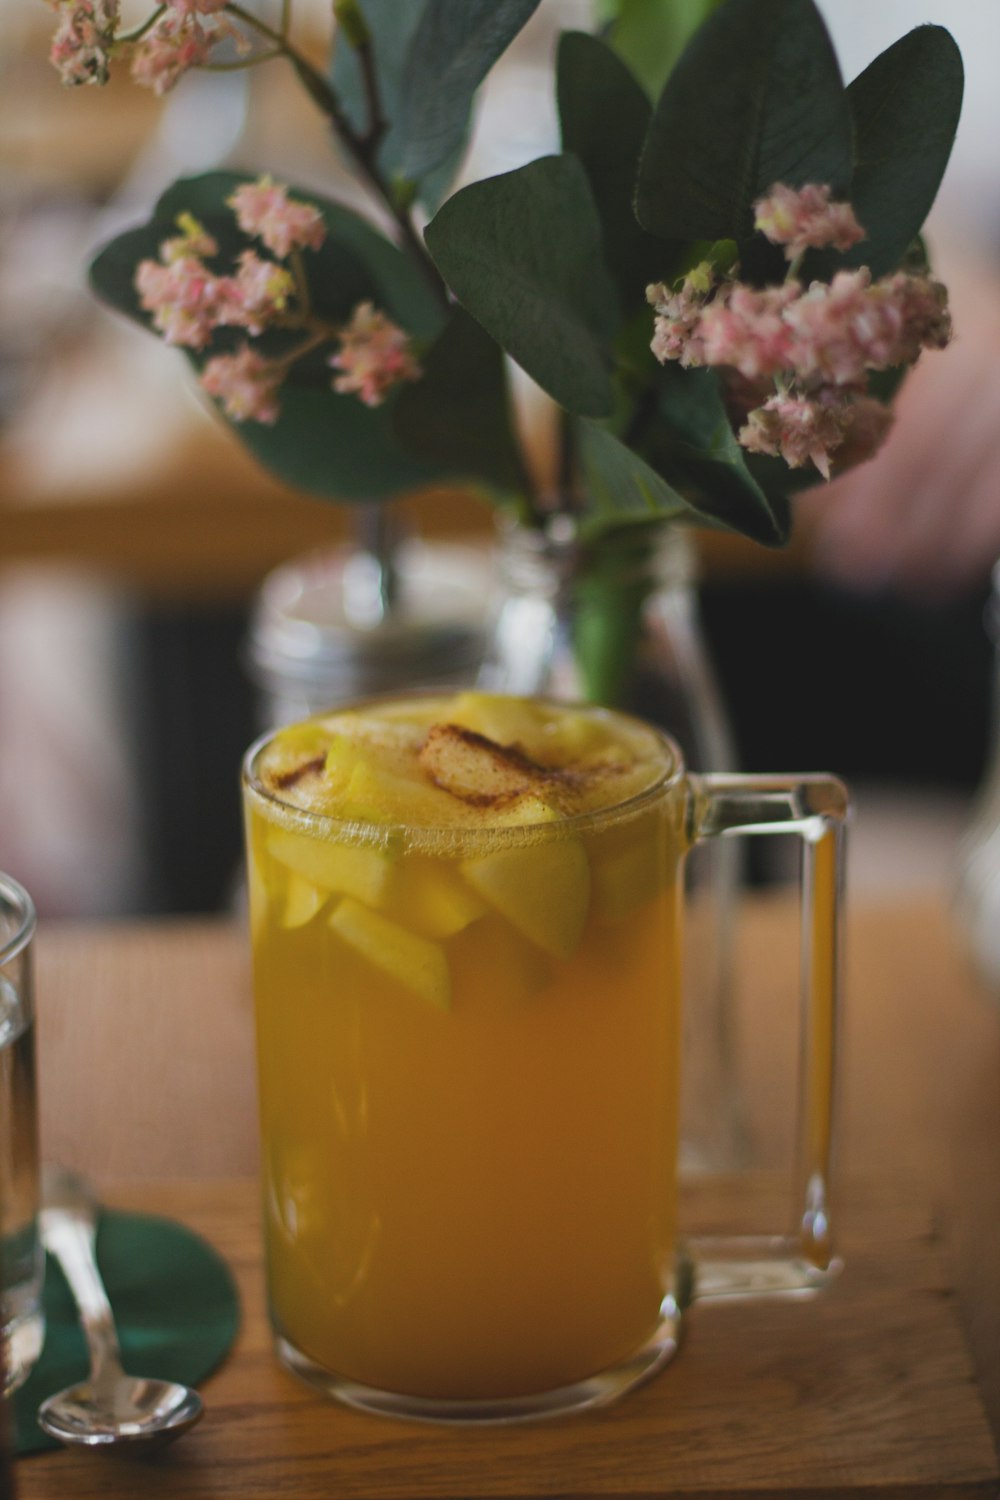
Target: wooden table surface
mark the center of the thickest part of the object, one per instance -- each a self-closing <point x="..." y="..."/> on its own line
<point x="888" y="1385"/>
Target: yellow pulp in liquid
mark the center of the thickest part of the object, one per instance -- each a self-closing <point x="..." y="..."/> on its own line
<point x="467" y="1194"/>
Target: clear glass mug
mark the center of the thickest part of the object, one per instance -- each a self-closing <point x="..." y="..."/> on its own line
<point x="22" y="1260"/>
<point x="469" y="1139"/>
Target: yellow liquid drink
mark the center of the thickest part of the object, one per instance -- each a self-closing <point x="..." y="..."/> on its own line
<point x="464" y="916"/>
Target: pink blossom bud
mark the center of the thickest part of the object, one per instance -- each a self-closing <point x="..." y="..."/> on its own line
<point x="374" y="356"/>
<point x="746" y="328"/>
<point x="186" y="300"/>
<point x="799" y="429"/>
<point x="179" y="41"/>
<point x="193" y="239"/>
<point x="921" y="306"/>
<point x="804" y="218"/>
<point x="259" y="293"/>
<point x="81" y="47"/>
<point x="678" y="314"/>
<point x="246" y="384"/>
<point x="854" y="325"/>
<point x="264" y="209"/>
<point x="832" y="329"/>
<point x="805" y="429"/>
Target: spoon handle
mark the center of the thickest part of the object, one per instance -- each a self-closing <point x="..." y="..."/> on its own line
<point x="68" y="1228"/>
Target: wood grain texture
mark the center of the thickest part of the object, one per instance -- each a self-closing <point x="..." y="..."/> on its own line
<point x="866" y="1391"/>
<point x="147" y="1073"/>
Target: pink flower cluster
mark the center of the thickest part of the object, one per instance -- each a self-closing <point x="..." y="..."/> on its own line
<point x="81" y="47"/>
<point x="374" y="356"/>
<point x="804" y="353"/>
<point x="804" y="218"/>
<point x="246" y="383"/>
<point x="832" y="332"/>
<point x="264" y="209"/>
<point x="189" y="302"/>
<point x="181" y="39"/>
<point x="678" y="317"/>
<point x="803" y="429"/>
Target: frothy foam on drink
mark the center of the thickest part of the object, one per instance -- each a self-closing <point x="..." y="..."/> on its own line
<point x="469" y="760"/>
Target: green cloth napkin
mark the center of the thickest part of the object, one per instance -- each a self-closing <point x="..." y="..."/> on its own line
<point x="175" y="1305"/>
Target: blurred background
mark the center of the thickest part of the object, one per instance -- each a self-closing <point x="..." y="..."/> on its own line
<point x="135" y="535"/>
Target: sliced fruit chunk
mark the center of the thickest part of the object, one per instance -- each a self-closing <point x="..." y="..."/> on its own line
<point x="472" y="766"/>
<point x="302" y="901"/>
<point x="413" y="961"/>
<point x="382" y="796"/>
<point x="627" y="878"/>
<point x="295" y="745"/>
<point x="342" y="757"/>
<point x="542" y="888"/>
<point x="527" y="809"/>
<point x="430" y="896"/>
<point x="507" y="721"/>
<point x="574" y="737"/>
<point x="349" y="869"/>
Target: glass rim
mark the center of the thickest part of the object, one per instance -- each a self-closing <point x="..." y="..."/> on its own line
<point x="14" y="897"/>
<point x="361" y="830"/>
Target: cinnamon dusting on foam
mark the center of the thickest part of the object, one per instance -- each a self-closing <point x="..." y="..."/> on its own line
<point x="477" y="770"/>
<point x="477" y="776"/>
<point x="281" y="780"/>
<point x="488" y="775"/>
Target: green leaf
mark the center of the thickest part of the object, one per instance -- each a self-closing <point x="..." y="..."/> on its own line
<point x="355" y="262"/>
<point x="523" y="253"/>
<point x="619" y="486"/>
<point x="693" y="443"/>
<point x="454" y="46"/>
<point x="335" y="447"/>
<point x="650" y="36"/>
<point x="756" y="99"/>
<point x="392" y="25"/>
<point x="458" y="416"/>
<point x="328" y="444"/>
<point x="906" y="106"/>
<point x="604" y="116"/>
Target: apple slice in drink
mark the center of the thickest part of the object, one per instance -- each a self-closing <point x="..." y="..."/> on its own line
<point x="541" y="887"/>
<point x="377" y="795"/>
<point x="302" y="901"/>
<point x="414" y="962"/>
<point x="357" y="870"/>
<point x="430" y="896"/>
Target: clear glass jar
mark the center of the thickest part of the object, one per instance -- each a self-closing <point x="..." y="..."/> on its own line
<point x="977" y="894"/>
<point x="620" y="625"/>
<point x="352" y="623"/>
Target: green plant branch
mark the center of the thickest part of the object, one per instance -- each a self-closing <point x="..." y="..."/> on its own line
<point x="363" y="148"/>
<point x="323" y="333"/>
<point x="140" y="31"/>
<point x="301" y="283"/>
<point x="377" y="122"/>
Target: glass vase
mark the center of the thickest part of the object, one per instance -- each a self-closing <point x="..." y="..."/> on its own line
<point x="977" y="887"/>
<point x="619" y="624"/>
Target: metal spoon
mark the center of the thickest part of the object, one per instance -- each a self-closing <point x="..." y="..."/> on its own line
<point x="111" y="1407"/>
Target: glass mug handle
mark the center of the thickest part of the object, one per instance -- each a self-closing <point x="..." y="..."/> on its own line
<point x="816" y="808"/>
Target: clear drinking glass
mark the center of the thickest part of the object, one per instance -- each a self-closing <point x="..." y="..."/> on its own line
<point x="21" y="1256"/>
<point x="470" y="1139"/>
